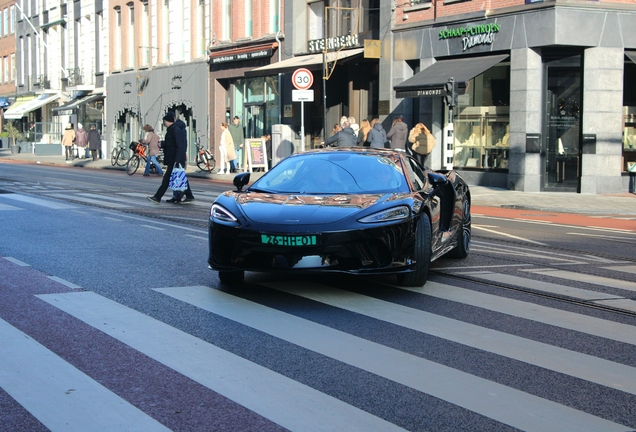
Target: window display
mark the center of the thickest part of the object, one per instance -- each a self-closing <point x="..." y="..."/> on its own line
<point x="629" y="139"/>
<point x="482" y="137"/>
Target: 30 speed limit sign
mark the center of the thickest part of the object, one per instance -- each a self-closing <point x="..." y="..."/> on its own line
<point x="302" y="79"/>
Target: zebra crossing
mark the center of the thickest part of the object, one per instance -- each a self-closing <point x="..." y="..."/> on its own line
<point x="58" y="200"/>
<point x="420" y="355"/>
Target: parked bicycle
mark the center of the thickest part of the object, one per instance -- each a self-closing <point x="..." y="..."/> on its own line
<point x="120" y="154"/>
<point x="205" y="159"/>
<point x="139" y="154"/>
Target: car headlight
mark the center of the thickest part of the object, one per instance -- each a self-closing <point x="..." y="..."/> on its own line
<point x="392" y="214"/>
<point x="221" y="214"/>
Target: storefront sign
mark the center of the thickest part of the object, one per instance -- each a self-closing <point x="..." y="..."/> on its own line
<point x="331" y="44"/>
<point x="481" y="34"/>
<point x="421" y="93"/>
<point x="243" y="56"/>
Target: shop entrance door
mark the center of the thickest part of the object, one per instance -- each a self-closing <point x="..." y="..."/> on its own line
<point x="254" y="120"/>
<point x="563" y="111"/>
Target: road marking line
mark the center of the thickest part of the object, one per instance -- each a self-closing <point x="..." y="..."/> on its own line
<point x="509" y="235"/>
<point x="548" y="287"/>
<point x="59" y="395"/>
<point x="64" y="282"/>
<point x="284" y="401"/>
<point x="38" y="201"/>
<point x="17" y="262"/>
<point x="556" y="317"/>
<point x="617" y="239"/>
<point x="79" y="198"/>
<point x="618" y="230"/>
<point x="628" y="269"/>
<point x="587" y="278"/>
<point x="153" y="227"/>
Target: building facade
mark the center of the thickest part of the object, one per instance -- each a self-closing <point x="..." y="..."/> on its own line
<point x="157" y="63"/>
<point x="8" y="90"/>
<point x="546" y="90"/>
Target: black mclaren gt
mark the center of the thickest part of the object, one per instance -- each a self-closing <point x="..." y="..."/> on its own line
<point x="356" y="210"/>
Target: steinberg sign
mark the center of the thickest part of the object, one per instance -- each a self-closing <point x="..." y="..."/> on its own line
<point x="334" y="43"/>
<point x="480" y="34"/>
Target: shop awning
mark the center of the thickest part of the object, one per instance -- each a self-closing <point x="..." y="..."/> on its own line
<point x="19" y="111"/>
<point x="311" y="62"/>
<point x="75" y="103"/>
<point x="430" y="81"/>
<point x="631" y="55"/>
<point x="15" y="106"/>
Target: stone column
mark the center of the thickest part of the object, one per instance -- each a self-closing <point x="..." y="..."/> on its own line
<point x="602" y="116"/>
<point x="526" y="78"/>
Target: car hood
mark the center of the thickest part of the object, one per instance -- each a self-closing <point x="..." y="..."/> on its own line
<point x="303" y="209"/>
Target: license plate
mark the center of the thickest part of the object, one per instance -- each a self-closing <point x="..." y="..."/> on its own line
<point x="288" y="240"/>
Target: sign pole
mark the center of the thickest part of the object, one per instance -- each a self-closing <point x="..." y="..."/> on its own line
<point x="302" y="79"/>
<point x="302" y="126"/>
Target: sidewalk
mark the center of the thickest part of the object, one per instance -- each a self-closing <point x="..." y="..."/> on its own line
<point x="562" y="202"/>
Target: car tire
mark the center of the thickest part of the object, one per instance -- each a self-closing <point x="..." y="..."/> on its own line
<point x="234" y="277"/>
<point x="463" y="242"/>
<point x="422" y="255"/>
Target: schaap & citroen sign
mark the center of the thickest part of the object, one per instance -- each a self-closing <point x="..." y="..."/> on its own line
<point x="480" y="34"/>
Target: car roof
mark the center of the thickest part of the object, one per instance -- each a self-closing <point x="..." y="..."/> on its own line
<point x="354" y="150"/>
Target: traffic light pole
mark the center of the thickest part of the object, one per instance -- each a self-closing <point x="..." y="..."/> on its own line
<point x="450" y="98"/>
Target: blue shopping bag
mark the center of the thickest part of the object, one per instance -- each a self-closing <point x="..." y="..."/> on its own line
<point x="178" y="179"/>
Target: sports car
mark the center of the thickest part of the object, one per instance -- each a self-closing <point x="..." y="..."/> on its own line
<point x="355" y="210"/>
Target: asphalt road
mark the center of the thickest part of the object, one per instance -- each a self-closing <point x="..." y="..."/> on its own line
<point x="111" y="320"/>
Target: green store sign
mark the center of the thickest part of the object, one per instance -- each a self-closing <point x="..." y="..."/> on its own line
<point x="479" y="34"/>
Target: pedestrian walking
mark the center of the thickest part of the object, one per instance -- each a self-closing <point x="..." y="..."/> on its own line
<point x="355" y="126"/>
<point x="421" y="142"/>
<point x="238" y="137"/>
<point x="68" y="138"/>
<point x="363" y="133"/>
<point x="94" y="142"/>
<point x="398" y="134"/>
<point x="336" y="128"/>
<point x="152" y="141"/>
<point x="344" y="138"/>
<point x="377" y="134"/>
<point x="227" y="151"/>
<point x="81" y="141"/>
<point x="174" y="147"/>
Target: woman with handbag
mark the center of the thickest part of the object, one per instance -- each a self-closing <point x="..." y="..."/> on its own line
<point x="421" y="142"/>
<point x="227" y="151"/>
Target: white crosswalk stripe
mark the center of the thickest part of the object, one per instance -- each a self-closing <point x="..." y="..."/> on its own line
<point x="297" y="406"/>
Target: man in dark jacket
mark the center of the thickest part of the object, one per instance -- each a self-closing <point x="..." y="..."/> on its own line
<point x="238" y="136"/>
<point x="174" y="148"/>
<point x="344" y="138"/>
<point x="377" y="135"/>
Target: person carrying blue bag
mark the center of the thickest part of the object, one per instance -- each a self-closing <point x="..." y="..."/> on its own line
<point x="174" y="147"/>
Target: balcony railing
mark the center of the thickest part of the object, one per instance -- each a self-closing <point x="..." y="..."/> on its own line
<point x="42" y="82"/>
<point x="74" y="77"/>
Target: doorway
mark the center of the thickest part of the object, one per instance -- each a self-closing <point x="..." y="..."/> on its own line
<point x="563" y="123"/>
<point x="254" y="120"/>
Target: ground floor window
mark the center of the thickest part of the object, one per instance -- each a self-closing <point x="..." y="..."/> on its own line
<point x="257" y="102"/>
<point x="482" y="121"/>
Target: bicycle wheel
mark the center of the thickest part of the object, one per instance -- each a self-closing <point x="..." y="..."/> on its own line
<point x="124" y="155"/>
<point x="211" y="160"/>
<point x="132" y="165"/>
<point x="114" y="155"/>
<point x="201" y="163"/>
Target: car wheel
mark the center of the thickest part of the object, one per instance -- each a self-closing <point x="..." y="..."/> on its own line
<point x="463" y="243"/>
<point x="422" y="255"/>
<point x="232" y="277"/>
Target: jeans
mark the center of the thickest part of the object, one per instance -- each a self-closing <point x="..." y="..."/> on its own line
<point x="153" y="159"/>
<point x="69" y="152"/>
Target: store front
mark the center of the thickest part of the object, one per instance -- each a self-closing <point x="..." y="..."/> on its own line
<point x="143" y="97"/>
<point x="548" y="116"/>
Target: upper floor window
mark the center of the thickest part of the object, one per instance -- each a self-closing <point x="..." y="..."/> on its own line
<point x="12" y="19"/>
<point x="274" y="18"/>
<point x="5" y="22"/>
<point x="227" y="20"/>
<point x="248" y="18"/>
<point x="131" y="34"/>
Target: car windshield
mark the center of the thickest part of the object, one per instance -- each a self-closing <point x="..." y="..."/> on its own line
<point x="334" y="173"/>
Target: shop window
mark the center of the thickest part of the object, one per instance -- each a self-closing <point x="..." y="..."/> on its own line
<point x="629" y="118"/>
<point x="482" y="121"/>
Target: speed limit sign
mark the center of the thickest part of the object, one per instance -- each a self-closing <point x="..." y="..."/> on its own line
<point x="302" y="79"/>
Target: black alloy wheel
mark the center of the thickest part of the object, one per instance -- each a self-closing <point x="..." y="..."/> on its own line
<point x="419" y="275"/>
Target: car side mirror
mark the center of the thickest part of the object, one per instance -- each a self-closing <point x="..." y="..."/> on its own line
<point x="240" y="180"/>
<point x="436" y="179"/>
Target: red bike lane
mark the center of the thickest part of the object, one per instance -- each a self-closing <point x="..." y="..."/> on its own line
<point x="618" y="222"/>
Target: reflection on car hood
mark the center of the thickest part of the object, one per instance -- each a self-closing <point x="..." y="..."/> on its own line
<point x="303" y="209"/>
